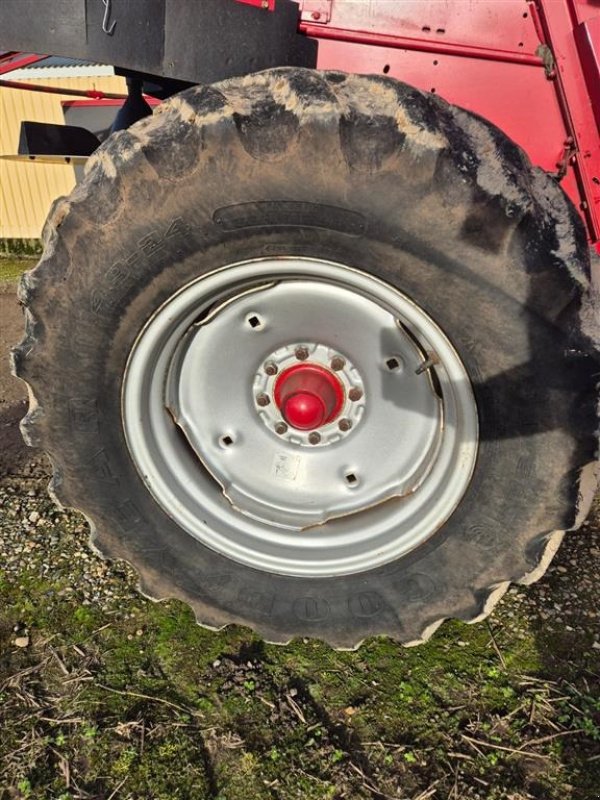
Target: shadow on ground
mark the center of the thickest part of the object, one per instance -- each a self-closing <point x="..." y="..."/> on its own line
<point x="104" y="694"/>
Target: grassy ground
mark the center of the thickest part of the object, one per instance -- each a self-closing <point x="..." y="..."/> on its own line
<point x="11" y="268"/>
<point x="106" y="695"/>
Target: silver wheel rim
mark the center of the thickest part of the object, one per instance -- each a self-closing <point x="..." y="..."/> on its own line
<point x="210" y="453"/>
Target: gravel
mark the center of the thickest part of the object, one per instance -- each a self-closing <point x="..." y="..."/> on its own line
<point x="39" y="540"/>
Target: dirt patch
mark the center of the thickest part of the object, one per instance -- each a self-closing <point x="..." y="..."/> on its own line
<point x="16" y="459"/>
<point x="12" y="390"/>
<point x="14" y="455"/>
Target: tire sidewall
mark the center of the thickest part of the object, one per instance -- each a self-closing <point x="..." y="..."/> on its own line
<point x="364" y="602"/>
<point x="361" y="171"/>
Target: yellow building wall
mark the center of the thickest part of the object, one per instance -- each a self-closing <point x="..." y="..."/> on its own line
<point x="28" y="189"/>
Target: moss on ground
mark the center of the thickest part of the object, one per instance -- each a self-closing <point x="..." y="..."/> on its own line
<point x="11" y="268"/>
<point x="115" y="696"/>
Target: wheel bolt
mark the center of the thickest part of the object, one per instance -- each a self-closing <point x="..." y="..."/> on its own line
<point x="271" y="368"/>
<point x="314" y="437"/>
<point x="355" y="394"/>
<point x="301" y="353"/>
<point x="263" y="399"/>
<point x="345" y="424"/>
<point x="281" y="428"/>
<point x="338" y="363"/>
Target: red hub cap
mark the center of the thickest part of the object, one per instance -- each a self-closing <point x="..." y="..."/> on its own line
<point x="308" y="396"/>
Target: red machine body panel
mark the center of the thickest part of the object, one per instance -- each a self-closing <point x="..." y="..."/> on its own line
<point x="531" y="68"/>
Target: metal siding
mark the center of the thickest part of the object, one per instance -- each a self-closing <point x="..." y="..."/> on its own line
<point x="27" y="190"/>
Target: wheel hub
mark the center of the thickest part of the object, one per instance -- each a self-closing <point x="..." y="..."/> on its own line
<point x="308" y="396"/>
<point x="315" y="438"/>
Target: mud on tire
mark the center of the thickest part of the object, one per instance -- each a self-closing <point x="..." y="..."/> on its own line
<point x="363" y="171"/>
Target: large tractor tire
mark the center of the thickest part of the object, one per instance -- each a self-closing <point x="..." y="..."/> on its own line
<point x="314" y="352"/>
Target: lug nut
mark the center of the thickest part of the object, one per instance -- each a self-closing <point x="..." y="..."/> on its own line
<point x="271" y="368"/>
<point x="338" y="363"/>
<point x="301" y="353"/>
<point x="281" y="428"/>
<point x="355" y="394"/>
<point x="345" y="424"/>
<point x="314" y="437"/>
<point x="263" y="399"/>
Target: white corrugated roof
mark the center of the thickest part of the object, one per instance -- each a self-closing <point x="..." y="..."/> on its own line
<point x="60" y="67"/>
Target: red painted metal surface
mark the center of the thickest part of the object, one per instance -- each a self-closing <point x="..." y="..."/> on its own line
<point x="531" y="68"/>
<point x="587" y="37"/>
<point x="560" y="23"/>
<point x="268" y="5"/>
<point x="308" y="396"/>
<point x="34" y="87"/>
<point x="423" y="45"/>
<point x="8" y="63"/>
